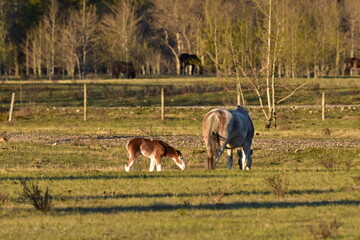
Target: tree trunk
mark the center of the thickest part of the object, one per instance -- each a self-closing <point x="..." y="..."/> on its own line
<point x="175" y="54"/>
<point x="82" y="68"/>
<point x="53" y="12"/>
<point x="269" y="69"/>
<point x="27" y="56"/>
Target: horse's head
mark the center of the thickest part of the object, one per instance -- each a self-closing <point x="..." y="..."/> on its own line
<point x="179" y="160"/>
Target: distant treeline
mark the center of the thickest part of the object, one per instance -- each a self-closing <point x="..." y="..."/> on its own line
<point x="81" y="38"/>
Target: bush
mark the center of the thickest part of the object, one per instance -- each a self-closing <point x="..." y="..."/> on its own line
<point x="277" y="185"/>
<point x="41" y="201"/>
<point x="327" y="132"/>
<point x="327" y="161"/>
<point x="324" y="229"/>
<point x="3" y="198"/>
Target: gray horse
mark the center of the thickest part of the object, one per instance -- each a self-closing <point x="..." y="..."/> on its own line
<point x="228" y="129"/>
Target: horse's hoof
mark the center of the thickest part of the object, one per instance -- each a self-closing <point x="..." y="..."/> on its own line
<point x="127" y="169"/>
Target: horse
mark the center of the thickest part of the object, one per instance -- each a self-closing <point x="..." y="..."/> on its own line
<point x="153" y="149"/>
<point x="351" y="63"/>
<point x="190" y="60"/>
<point x="126" y="68"/>
<point x="228" y="129"/>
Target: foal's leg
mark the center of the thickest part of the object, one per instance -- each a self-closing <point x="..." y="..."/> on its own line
<point x="152" y="164"/>
<point x="132" y="157"/>
<point x="230" y="159"/>
<point x="158" y="163"/>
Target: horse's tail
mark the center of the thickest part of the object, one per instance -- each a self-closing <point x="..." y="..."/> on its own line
<point x="213" y="141"/>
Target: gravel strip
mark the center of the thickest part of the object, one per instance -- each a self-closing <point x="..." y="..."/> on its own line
<point x="271" y="144"/>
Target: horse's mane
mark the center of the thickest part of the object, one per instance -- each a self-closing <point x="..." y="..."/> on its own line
<point x="167" y="147"/>
<point x="240" y="108"/>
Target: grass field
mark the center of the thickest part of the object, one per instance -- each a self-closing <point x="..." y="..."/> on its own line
<point x="304" y="182"/>
<point x="178" y="92"/>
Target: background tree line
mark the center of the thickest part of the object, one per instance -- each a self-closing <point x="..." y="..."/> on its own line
<point x="73" y="38"/>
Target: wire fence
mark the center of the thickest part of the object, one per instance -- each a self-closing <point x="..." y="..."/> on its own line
<point x="164" y="95"/>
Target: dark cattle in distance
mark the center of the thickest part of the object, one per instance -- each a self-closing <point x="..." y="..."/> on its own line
<point x="190" y="60"/>
<point x="125" y="68"/>
<point x="351" y="63"/>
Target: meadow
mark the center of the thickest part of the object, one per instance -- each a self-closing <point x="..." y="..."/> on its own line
<point x="304" y="182"/>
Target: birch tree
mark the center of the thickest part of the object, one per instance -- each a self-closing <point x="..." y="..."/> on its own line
<point x="87" y="28"/>
<point x="353" y="9"/>
<point x="3" y="36"/>
<point x="178" y="26"/>
<point x="78" y="35"/>
<point x="50" y="37"/>
<point x="69" y="45"/>
<point x="216" y="27"/>
<point x="120" y="31"/>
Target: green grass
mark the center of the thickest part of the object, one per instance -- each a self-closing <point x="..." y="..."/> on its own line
<point x="81" y="163"/>
<point x="339" y="122"/>
<point x="178" y="91"/>
<point x="192" y="204"/>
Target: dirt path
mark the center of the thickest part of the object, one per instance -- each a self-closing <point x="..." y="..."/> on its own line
<point x="273" y="144"/>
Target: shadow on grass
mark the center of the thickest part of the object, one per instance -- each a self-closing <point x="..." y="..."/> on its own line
<point x="155" y="175"/>
<point x="225" y="206"/>
<point x="199" y="194"/>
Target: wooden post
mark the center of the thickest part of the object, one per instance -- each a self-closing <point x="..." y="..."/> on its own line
<point x="162" y="105"/>
<point x="85" y="102"/>
<point x="238" y="94"/>
<point x="323" y="106"/>
<point x="11" y="106"/>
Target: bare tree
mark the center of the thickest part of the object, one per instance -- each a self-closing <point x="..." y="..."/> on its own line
<point x="69" y="44"/>
<point x="216" y="26"/>
<point x="150" y="58"/>
<point x="120" y="31"/>
<point x="178" y="24"/>
<point x="78" y="35"/>
<point x="87" y="27"/>
<point x="50" y="37"/>
<point x="352" y="8"/>
<point x="34" y="50"/>
<point x="3" y="36"/>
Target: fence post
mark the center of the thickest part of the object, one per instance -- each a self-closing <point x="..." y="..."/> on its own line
<point x="323" y="106"/>
<point x="11" y="106"/>
<point x="162" y="105"/>
<point x="85" y="102"/>
<point x="238" y="94"/>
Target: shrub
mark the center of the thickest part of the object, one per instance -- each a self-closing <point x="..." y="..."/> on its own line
<point x="327" y="161"/>
<point x="3" y="198"/>
<point x="26" y="112"/>
<point x="348" y="164"/>
<point x="277" y="185"/>
<point x="217" y="196"/>
<point x="41" y="201"/>
<point x="327" y="131"/>
<point x="3" y="137"/>
<point x="324" y="229"/>
<point x="357" y="182"/>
